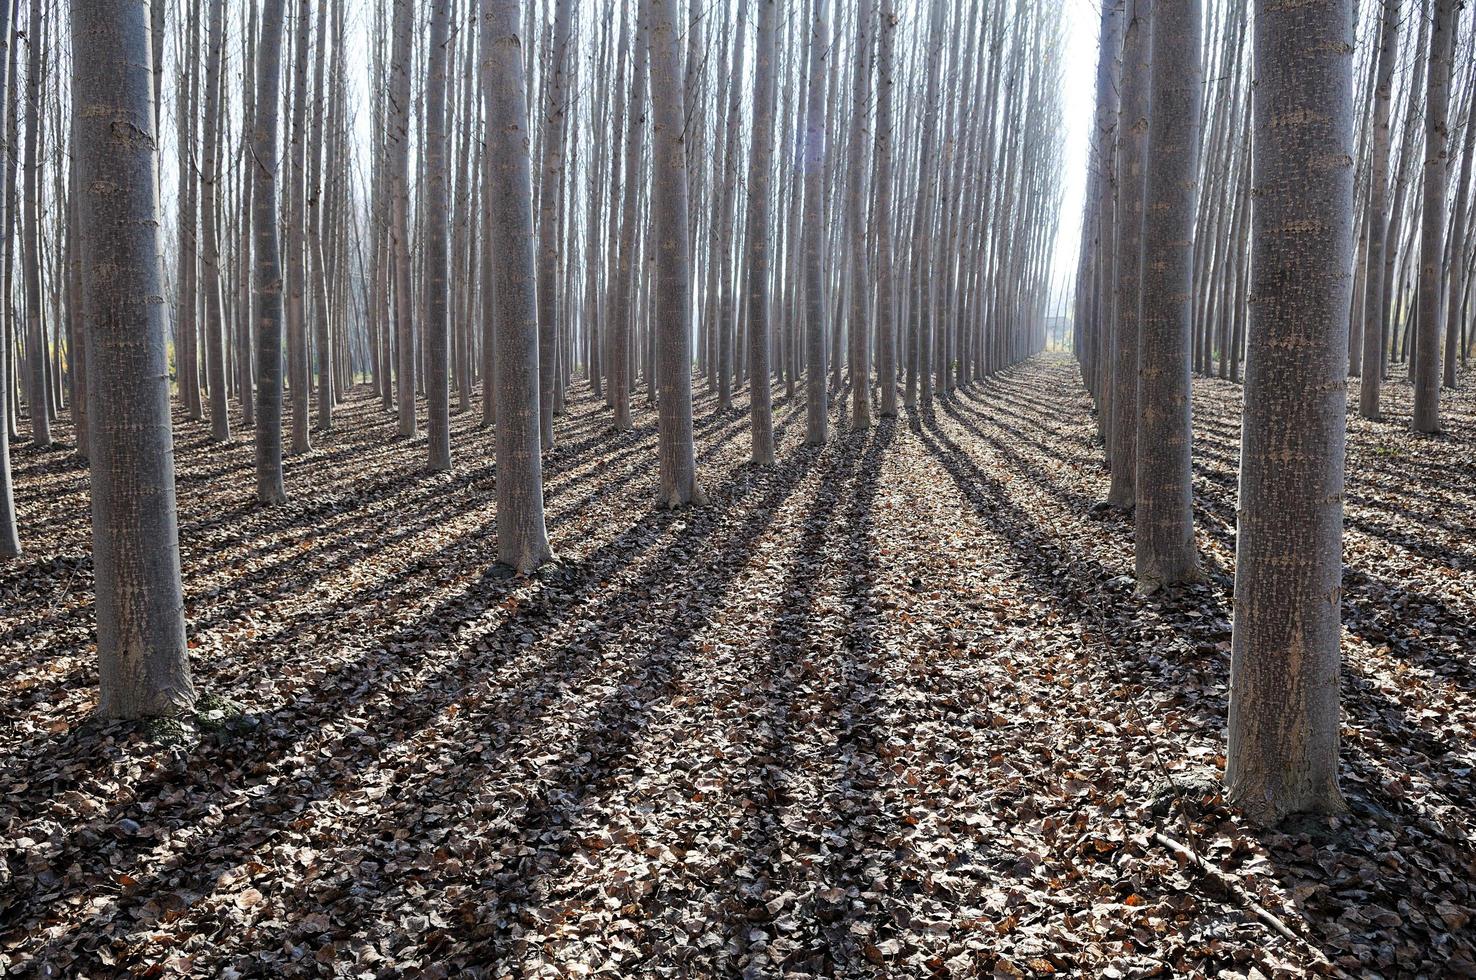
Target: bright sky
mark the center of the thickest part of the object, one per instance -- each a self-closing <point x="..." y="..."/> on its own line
<point x="1077" y="98"/>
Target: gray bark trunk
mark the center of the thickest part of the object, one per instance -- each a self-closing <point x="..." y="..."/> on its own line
<point x="220" y="421"/>
<point x="1378" y="217"/>
<point x="1283" y="744"/>
<point x="555" y="98"/>
<point x="673" y="268"/>
<point x="143" y="660"/>
<point x="399" y="178"/>
<point x="1164" y="534"/>
<point x="269" y="489"/>
<point x="1432" y="223"/>
<point x="437" y="258"/>
<point x="760" y="247"/>
<point x="1132" y="152"/>
<point x="817" y="414"/>
<point x="522" y="540"/>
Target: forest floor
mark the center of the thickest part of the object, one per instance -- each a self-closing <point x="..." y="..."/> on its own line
<point x="890" y="708"/>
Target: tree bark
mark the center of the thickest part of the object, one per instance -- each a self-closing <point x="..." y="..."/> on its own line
<point x="1132" y="154"/>
<point x="399" y="177"/>
<point x="437" y="259"/>
<point x="143" y="660"/>
<point x="1164" y="534"/>
<point x="269" y="489"/>
<point x="39" y="399"/>
<point x="1283" y="745"/>
<point x="220" y="421"/>
<point x="555" y="97"/>
<point x="522" y="539"/>
<point x="760" y="247"/>
<point x="1377" y="218"/>
<point x="673" y="299"/>
<point x="1432" y="223"/>
<point x="817" y="412"/>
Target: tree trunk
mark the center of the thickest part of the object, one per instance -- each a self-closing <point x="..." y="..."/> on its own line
<point x="1164" y="534"/>
<point x="399" y="177"/>
<point x="269" y="489"/>
<point x="860" y="346"/>
<point x="1132" y="160"/>
<point x="886" y="312"/>
<point x="555" y="97"/>
<point x="220" y="421"/>
<point x="1432" y="223"/>
<point x="622" y="312"/>
<point x="673" y="267"/>
<point x="40" y="400"/>
<point x="437" y="260"/>
<point x="1378" y="217"/>
<point x="817" y="414"/>
<point x="760" y="247"/>
<point x="143" y="660"/>
<point x="1283" y="751"/>
<point x="297" y="355"/>
<point x="522" y="540"/>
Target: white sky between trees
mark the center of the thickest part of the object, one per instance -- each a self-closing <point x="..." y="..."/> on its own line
<point x="1077" y="101"/>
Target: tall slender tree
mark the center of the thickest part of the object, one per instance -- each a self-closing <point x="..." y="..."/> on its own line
<point x="760" y="247"/>
<point x="522" y="540"/>
<point x="267" y="250"/>
<point x="39" y="398"/>
<point x="1164" y="535"/>
<point x="437" y="258"/>
<point x="1432" y="219"/>
<point x="817" y="412"/>
<point x="550" y="195"/>
<point x="672" y="319"/>
<point x="1132" y="160"/>
<point x="143" y="659"/>
<point x="886" y="273"/>
<point x="398" y="166"/>
<point x="1285" y="655"/>
<point x="214" y="334"/>
<point x="10" y="546"/>
<point x="1376" y="217"/>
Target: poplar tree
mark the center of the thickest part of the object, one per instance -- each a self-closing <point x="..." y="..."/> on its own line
<point x="143" y="659"/>
<point x="1285" y="648"/>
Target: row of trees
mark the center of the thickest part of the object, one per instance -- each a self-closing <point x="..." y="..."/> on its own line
<point x="1344" y="273"/>
<point x="767" y="194"/>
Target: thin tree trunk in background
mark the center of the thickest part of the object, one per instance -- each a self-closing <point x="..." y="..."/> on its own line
<point x="10" y="546"/>
<point x="760" y="247"/>
<point x="522" y="540"/>
<point x="1377" y="219"/>
<point x="315" y="260"/>
<point x="143" y="661"/>
<point x="214" y="333"/>
<point x="817" y="414"/>
<point x="672" y="322"/>
<point x="1432" y="222"/>
<point x="297" y="355"/>
<point x="1456" y="244"/>
<point x="886" y="313"/>
<point x="398" y="167"/>
<point x="437" y="260"/>
<point x="622" y="310"/>
<point x="1164" y="514"/>
<point x="1132" y="153"/>
<point x="555" y="98"/>
<point x="39" y="400"/>
<point x="1283" y="738"/>
<point x="860" y="350"/>
<point x="265" y="163"/>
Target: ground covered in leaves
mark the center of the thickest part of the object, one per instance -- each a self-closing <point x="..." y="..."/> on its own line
<point x="890" y="708"/>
